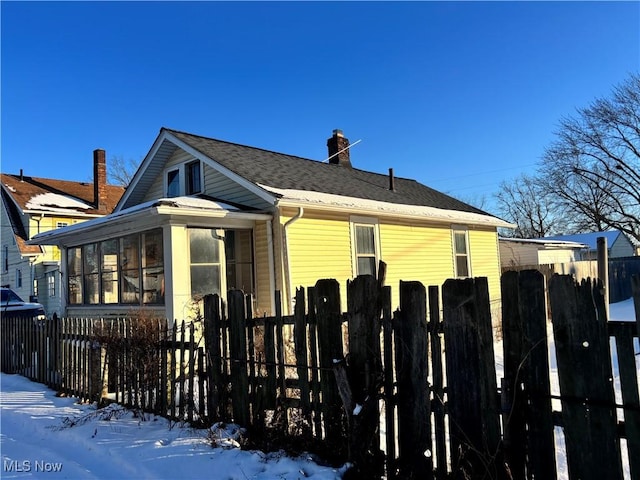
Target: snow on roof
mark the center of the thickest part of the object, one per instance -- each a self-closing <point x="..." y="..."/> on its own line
<point x="547" y="242"/>
<point x="175" y="202"/>
<point x="56" y="203"/>
<point x="590" y="239"/>
<point x="432" y="213"/>
<point x="195" y="202"/>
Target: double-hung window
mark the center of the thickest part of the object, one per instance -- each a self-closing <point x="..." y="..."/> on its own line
<point x="365" y="246"/>
<point x="51" y="284"/>
<point x="461" y="253"/>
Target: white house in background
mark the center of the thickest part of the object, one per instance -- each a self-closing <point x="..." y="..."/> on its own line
<point x="538" y="251"/>
<point x="618" y="244"/>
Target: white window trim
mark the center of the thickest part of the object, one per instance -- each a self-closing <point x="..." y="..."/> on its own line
<point x="460" y="229"/>
<point x="355" y="220"/>
<point x="182" y="177"/>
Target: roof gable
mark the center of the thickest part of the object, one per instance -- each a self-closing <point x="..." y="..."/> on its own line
<point x="17" y="227"/>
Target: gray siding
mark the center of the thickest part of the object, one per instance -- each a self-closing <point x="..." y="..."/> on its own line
<point x="622" y="247"/>
<point x="219" y="186"/>
<point x="215" y="184"/>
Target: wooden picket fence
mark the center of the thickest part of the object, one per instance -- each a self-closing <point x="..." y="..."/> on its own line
<point x="405" y="394"/>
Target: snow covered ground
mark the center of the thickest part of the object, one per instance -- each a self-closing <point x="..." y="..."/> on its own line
<point x="43" y="436"/>
<point x="37" y="440"/>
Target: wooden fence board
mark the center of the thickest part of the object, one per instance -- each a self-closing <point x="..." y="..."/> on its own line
<point x="329" y="326"/>
<point x="584" y="371"/>
<point x="412" y="368"/>
<point x="471" y="383"/>
<point x="365" y="373"/>
<point x="301" y="348"/>
<point x="314" y="363"/>
<point x="389" y="385"/>
<point x="437" y="406"/>
<point x="528" y="423"/>
<point x="624" y="333"/>
<point x="270" y="391"/>
<point x="238" y="354"/>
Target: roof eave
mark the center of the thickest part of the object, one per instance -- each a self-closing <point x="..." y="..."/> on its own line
<point x="468" y="219"/>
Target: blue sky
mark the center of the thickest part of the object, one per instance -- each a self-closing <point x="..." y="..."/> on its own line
<point x="457" y="95"/>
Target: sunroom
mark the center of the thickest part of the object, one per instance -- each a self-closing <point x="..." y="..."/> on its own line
<point x="160" y="257"/>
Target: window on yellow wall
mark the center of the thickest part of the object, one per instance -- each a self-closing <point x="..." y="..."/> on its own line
<point x="365" y="246"/>
<point x="461" y="253"/>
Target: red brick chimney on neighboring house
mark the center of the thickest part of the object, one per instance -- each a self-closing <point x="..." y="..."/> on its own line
<point x="100" y="180"/>
<point x="338" y="147"/>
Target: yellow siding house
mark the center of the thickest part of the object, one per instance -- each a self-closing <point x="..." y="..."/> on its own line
<point x="203" y="216"/>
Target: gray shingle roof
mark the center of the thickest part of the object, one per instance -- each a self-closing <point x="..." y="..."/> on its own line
<point x="284" y="171"/>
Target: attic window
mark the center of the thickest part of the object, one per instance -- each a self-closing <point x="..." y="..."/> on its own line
<point x="193" y="178"/>
<point x="173" y="183"/>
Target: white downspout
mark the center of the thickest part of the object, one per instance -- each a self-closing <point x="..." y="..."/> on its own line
<point x="272" y="267"/>
<point x="289" y="222"/>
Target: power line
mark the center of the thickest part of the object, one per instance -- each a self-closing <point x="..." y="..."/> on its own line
<point x="484" y="172"/>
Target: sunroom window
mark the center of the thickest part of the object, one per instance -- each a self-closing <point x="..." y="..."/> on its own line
<point x="126" y="270"/>
<point x="204" y="252"/>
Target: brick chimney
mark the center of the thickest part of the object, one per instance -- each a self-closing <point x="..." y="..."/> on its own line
<point x="100" y="180"/>
<point x="338" y="147"/>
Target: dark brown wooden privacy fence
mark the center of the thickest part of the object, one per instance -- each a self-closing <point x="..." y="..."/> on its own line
<point x="406" y="394"/>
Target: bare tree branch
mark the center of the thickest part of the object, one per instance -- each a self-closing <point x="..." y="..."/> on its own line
<point x="592" y="168"/>
<point x="121" y="171"/>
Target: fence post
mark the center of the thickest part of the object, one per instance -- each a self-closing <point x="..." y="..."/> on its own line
<point x="584" y="371"/>
<point x="603" y="269"/>
<point x="471" y="380"/>
<point x="527" y="419"/>
<point x="238" y="354"/>
<point x="412" y="368"/>
<point x="329" y="324"/>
